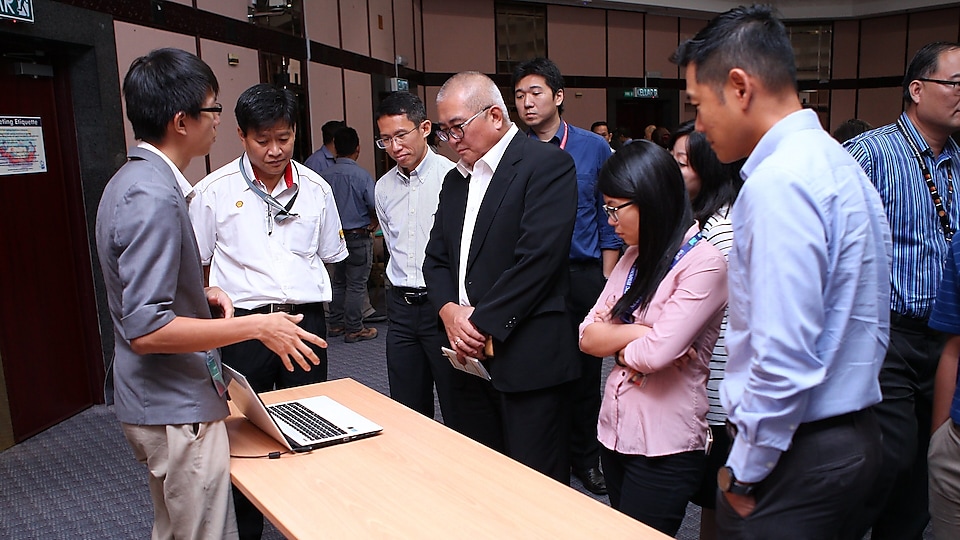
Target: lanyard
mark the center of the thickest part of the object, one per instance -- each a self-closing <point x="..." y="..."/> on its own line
<point x="563" y="140"/>
<point x="937" y="200"/>
<point x="684" y="249"/>
<point x="273" y="205"/>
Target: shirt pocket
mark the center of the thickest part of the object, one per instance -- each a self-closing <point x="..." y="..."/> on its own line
<point x="302" y="235"/>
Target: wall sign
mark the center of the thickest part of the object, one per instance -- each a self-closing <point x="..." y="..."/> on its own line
<point x="21" y="145"/>
<point x="20" y="10"/>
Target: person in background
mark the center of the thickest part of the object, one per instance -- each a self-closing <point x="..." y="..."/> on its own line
<point x="407" y="197"/>
<point x="850" y="129"/>
<point x="274" y="264"/>
<point x="809" y="286"/>
<point x="648" y="132"/>
<point x="326" y="155"/>
<point x="602" y="129"/>
<point x="170" y="393"/>
<point x="620" y="138"/>
<point x="665" y="297"/>
<point x="712" y="188"/>
<point x="594" y="250"/>
<point x="353" y="189"/>
<point x="661" y="136"/>
<point x="913" y="163"/>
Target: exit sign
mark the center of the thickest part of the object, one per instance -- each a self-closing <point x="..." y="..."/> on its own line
<point x="649" y="93"/>
<point x="18" y="10"/>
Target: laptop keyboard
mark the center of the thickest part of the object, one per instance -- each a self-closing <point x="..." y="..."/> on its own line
<point x="310" y="424"/>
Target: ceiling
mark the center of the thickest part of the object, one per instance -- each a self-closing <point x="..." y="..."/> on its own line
<point x="789" y="9"/>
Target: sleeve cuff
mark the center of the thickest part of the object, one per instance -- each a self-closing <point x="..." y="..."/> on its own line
<point x="750" y="463"/>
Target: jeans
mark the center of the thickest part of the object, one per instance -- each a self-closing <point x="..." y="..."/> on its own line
<point x="349" y="283"/>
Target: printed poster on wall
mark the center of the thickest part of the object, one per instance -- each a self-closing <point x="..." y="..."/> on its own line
<point x="21" y="145"/>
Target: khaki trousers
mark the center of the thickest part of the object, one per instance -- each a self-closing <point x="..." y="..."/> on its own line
<point x="943" y="462"/>
<point x="189" y="466"/>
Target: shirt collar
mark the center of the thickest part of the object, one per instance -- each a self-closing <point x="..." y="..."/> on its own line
<point x="288" y="176"/>
<point x="555" y="140"/>
<point x="494" y="154"/>
<point x="185" y="187"/>
<point x="418" y="171"/>
<point x="795" y="121"/>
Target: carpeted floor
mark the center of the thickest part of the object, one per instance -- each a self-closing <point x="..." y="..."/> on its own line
<point x="79" y="479"/>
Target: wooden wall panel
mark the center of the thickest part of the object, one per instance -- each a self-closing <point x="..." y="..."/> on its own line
<point x="625" y="38"/>
<point x="576" y="40"/>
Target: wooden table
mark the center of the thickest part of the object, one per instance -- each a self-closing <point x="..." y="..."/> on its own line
<point x="417" y="479"/>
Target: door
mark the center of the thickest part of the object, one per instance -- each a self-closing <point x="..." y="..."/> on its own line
<point x="49" y="334"/>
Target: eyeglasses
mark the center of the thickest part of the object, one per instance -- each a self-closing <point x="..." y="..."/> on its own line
<point x="386" y="142"/>
<point x="611" y="211"/>
<point x="218" y="108"/>
<point x="955" y="85"/>
<point x="456" y="132"/>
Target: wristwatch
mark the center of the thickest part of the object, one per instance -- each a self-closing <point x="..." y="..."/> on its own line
<point x="727" y="481"/>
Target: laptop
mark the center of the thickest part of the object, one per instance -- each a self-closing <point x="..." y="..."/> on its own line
<point x="300" y="425"/>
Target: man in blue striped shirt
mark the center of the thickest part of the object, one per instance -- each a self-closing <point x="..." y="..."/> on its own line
<point x="913" y="162"/>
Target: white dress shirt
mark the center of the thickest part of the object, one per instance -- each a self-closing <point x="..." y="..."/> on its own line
<point x="480" y="175"/>
<point x="406" y="207"/>
<point x="256" y="262"/>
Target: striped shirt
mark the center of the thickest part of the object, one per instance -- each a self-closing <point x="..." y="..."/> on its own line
<point x="718" y="231"/>
<point x="919" y="246"/>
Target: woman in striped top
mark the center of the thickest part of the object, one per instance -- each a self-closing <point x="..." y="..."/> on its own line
<point x="712" y="187"/>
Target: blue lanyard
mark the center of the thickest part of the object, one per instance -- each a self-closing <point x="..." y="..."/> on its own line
<point x="684" y="249"/>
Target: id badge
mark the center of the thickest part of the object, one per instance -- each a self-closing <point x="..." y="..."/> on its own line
<point x="215" y="374"/>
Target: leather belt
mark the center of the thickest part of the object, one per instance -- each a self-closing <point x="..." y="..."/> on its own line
<point x="364" y="232"/>
<point x="811" y="427"/>
<point x="907" y="322"/>
<point x="413" y="296"/>
<point x="292" y="309"/>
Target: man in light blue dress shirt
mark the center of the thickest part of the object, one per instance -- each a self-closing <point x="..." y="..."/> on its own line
<point x="809" y="290"/>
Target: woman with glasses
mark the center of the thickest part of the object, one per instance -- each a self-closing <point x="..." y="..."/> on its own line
<point x="659" y="316"/>
<point x="712" y="187"/>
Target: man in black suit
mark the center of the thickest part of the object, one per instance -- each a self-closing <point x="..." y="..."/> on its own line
<point x="496" y="269"/>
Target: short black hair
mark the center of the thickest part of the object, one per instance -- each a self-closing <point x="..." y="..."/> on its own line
<point x="160" y="85"/>
<point x="265" y="105"/>
<point x="546" y="69"/>
<point x="346" y="141"/>
<point x="749" y="38"/>
<point x="403" y="103"/>
<point x="595" y="125"/>
<point x="850" y="129"/>
<point x="649" y="177"/>
<point x="330" y="129"/>
<point x="924" y="63"/>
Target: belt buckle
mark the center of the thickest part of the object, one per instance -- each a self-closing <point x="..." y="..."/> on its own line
<point x="281" y="308"/>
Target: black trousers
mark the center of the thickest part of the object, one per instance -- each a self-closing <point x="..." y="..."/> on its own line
<point x="897" y="506"/>
<point x="815" y="486"/>
<point x="653" y="490"/>
<point x="531" y="427"/>
<point x="265" y="372"/>
<point x="414" y="360"/>
<point x="586" y="284"/>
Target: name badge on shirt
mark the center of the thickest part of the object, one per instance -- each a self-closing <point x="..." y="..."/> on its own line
<point x="215" y="374"/>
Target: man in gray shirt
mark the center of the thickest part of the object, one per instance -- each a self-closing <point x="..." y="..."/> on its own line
<point x="170" y="392"/>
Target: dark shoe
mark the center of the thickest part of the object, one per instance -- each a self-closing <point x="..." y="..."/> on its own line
<point x="592" y="480"/>
<point x="376" y="316"/>
<point x="335" y="331"/>
<point x="362" y="335"/>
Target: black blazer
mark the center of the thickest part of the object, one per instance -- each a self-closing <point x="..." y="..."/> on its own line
<point x="517" y="270"/>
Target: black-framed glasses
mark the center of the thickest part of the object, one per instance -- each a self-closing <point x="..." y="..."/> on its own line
<point x="456" y="132"/>
<point x="955" y="85"/>
<point x="611" y="211"/>
<point x="386" y="142"/>
<point x="217" y="108"/>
